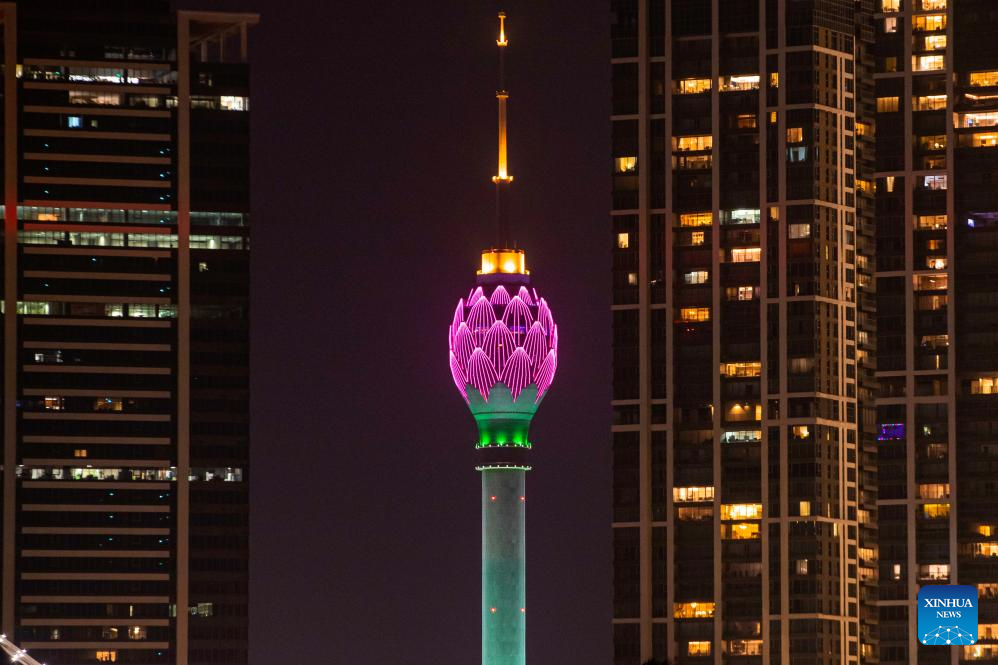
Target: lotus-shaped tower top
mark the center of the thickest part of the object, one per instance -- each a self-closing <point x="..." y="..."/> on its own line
<point x="503" y="349"/>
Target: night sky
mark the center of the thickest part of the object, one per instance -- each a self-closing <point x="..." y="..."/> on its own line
<point x="373" y="148"/>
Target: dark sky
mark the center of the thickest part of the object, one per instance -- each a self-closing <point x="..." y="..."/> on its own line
<point x="374" y="144"/>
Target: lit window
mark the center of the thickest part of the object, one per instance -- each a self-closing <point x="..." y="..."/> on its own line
<point x="740" y="292"/>
<point x="800" y="567"/>
<point x="693" y="143"/>
<point x="74" y="122"/>
<point x="136" y="632"/>
<point x="889" y="183"/>
<point x="740" y="531"/>
<point x="743" y="647"/>
<point x="741" y="436"/>
<point x="693" y="162"/>
<point x="933" y="571"/>
<point x="696" y="277"/>
<point x="623" y="240"/>
<point x="979" y="652"/>
<point x="980" y="140"/>
<point x="795" y="134"/>
<point x="693" y="610"/>
<point x="625" y="164"/>
<point x="699" y="648"/>
<point x="745" y="254"/>
<point x="694" y="314"/>
<point x="890" y="24"/>
<point x="202" y="266"/>
<point x="934" y="182"/>
<point x="931" y="282"/>
<point x="984" y="79"/>
<point x="80" y="452"/>
<point x="106" y="656"/>
<point x="739" y="412"/>
<point x="632" y="279"/>
<point x="229" y="103"/>
<point x="736" y="83"/>
<point x="935" y="263"/>
<point x="984" y="119"/>
<point x="53" y="403"/>
<point x="741" y="369"/>
<point x="929" y="22"/>
<point x="692" y="494"/>
<point x="109" y="633"/>
<point x="741" y="216"/>
<point x="804" y="509"/>
<point x="890" y="5"/>
<point x="935" y="511"/>
<point x="741" y="511"/>
<point x="797" y="154"/>
<point x="988" y="590"/>
<point x="984" y="385"/>
<point x="926" y="63"/>
<point x="985" y="529"/>
<point x="896" y="571"/>
<point x="696" y="219"/>
<point x="930" y="221"/>
<point x="697" y="237"/>
<point x="774" y="80"/>
<point x="891" y="432"/>
<point x="935" y="42"/>
<point x="109" y="404"/>
<point x="747" y="121"/>
<point x="933" y="491"/>
<point x="934" y="142"/>
<point x="887" y="104"/>
<point x="692" y="86"/>
<point x="929" y="103"/>
<point x="931" y="5"/>
<point x="695" y="513"/>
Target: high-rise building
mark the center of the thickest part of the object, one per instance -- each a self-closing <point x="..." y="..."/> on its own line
<point x="799" y="447"/>
<point x="503" y="354"/>
<point x="743" y="381"/>
<point x="937" y="305"/>
<point x="125" y="335"/>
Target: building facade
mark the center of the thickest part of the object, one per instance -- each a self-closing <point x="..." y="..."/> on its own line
<point x="937" y="229"/>
<point x="743" y="328"/>
<point x="125" y="335"/>
<point x="805" y="365"/>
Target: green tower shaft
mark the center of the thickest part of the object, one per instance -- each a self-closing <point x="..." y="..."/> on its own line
<point x="504" y="591"/>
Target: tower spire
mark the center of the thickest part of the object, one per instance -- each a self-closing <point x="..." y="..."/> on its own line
<point x="502" y="179"/>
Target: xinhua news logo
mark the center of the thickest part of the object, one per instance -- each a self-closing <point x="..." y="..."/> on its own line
<point x="947" y="614"/>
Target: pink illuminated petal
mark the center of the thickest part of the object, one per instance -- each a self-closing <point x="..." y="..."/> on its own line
<point x="481" y="373"/>
<point x="536" y="344"/>
<point x="517" y="317"/>
<point x="480" y="318"/>
<point x="457" y="321"/>
<point x="458" y="376"/>
<point x="498" y="344"/>
<point x="475" y="296"/>
<point x="516" y="373"/>
<point x="553" y="337"/>
<point x="464" y="344"/>
<point x="544" y="315"/>
<point x="524" y="295"/>
<point x="545" y="375"/>
<point x="500" y="296"/>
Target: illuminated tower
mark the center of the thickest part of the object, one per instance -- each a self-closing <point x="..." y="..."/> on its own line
<point x="503" y="355"/>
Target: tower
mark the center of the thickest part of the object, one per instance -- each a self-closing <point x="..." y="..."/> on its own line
<point x="503" y="354"/>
